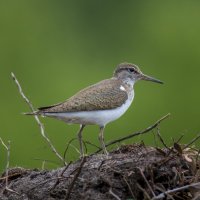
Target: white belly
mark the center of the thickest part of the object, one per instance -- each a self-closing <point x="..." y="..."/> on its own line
<point x="100" y="117"/>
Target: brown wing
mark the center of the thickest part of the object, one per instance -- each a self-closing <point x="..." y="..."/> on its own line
<point x="101" y="96"/>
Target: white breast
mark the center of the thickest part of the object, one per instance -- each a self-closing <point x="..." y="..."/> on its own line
<point x="100" y="117"/>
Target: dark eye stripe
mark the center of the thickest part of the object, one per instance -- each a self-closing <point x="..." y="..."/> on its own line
<point x="132" y="70"/>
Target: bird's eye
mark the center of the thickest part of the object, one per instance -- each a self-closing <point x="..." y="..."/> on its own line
<point x="131" y="70"/>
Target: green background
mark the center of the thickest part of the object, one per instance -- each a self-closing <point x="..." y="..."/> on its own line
<point x="56" y="48"/>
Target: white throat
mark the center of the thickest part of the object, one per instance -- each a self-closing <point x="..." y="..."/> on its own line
<point x="129" y="81"/>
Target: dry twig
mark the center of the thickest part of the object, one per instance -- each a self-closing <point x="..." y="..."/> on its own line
<point x="161" y="139"/>
<point x="7" y="147"/>
<point x="113" y="194"/>
<point x="42" y="131"/>
<point x="162" y="195"/>
<point x="144" y="191"/>
<point x="149" y="186"/>
<point x="75" y="178"/>
<point x="91" y="144"/>
<point x="61" y="175"/>
<point x="129" y="187"/>
<point x="179" y="139"/>
<point x="47" y="161"/>
<point x="68" y="145"/>
<point x="137" y="133"/>
<point x="192" y="141"/>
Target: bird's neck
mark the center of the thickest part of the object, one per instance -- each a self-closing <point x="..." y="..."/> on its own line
<point x="128" y="81"/>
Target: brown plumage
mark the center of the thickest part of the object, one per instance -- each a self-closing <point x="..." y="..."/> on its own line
<point x="101" y="96"/>
<point x="99" y="104"/>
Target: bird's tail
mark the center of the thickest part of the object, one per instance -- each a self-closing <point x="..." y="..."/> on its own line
<point x="32" y="113"/>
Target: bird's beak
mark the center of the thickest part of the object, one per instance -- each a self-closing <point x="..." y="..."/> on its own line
<point x="149" y="78"/>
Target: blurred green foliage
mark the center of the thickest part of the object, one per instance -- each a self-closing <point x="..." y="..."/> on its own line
<point x="56" y="48"/>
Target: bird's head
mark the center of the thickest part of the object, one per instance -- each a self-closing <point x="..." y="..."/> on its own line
<point x="131" y="73"/>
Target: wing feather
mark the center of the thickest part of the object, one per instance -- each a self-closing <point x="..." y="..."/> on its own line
<point x="101" y="96"/>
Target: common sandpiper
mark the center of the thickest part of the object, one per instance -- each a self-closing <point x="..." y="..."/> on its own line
<point x="100" y="103"/>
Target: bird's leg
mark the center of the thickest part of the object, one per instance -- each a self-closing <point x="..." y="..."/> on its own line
<point x="80" y="139"/>
<point x="101" y="139"/>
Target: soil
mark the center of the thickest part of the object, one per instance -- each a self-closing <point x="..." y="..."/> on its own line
<point x="129" y="173"/>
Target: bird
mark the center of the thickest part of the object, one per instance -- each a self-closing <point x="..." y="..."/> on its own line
<point x="98" y="104"/>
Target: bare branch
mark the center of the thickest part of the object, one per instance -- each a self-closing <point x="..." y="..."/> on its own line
<point x="161" y="139"/>
<point x="94" y="145"/>
<point x="75" y="178"/>
<point x="42" y="131"/>
<point x="7" y="163"/>
<point x="113" y="194"/>
<point x="61" y="175"/>
<point x="192" y="141"/>
<point x="2" y="142"/>
<point x="179" y="139"/>
<point x="137" y="133"/>
<point x="144" y="191"/>
<point x="162" y="195"/>
<point x="67" y="146"/>
<point x="149" y="186"/>
<point x="129" y="187"/>
<point x="7" y="147"/>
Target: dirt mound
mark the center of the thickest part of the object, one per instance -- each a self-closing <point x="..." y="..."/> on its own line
<point x="131" y="172"/>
